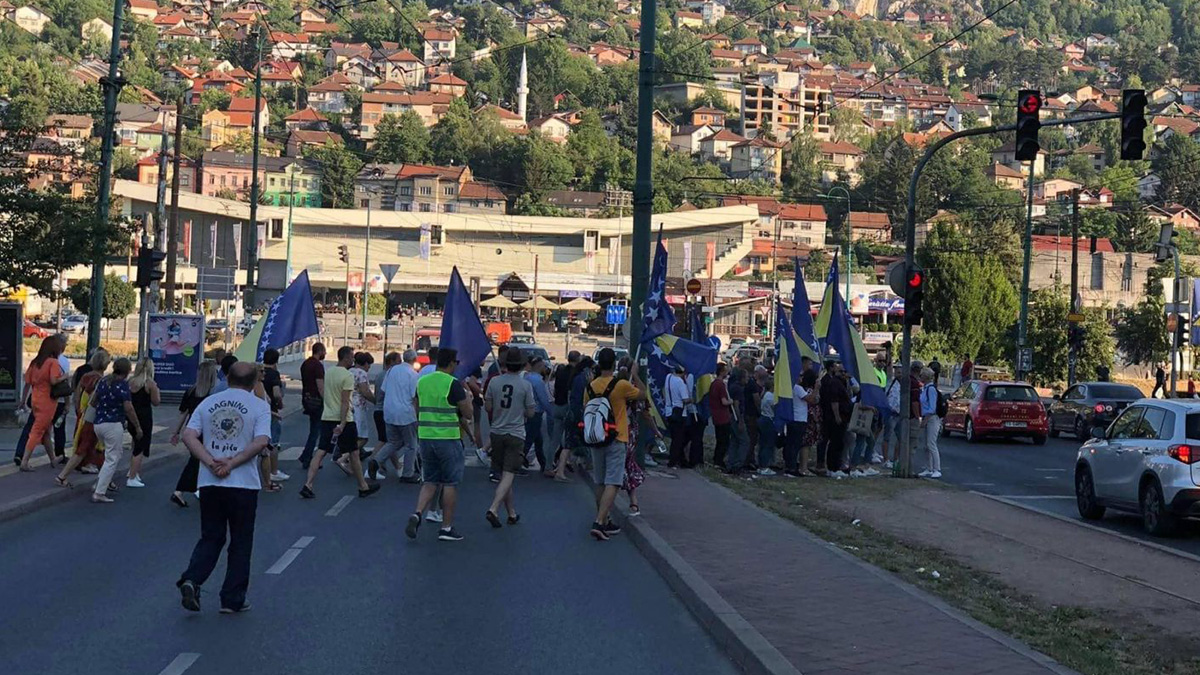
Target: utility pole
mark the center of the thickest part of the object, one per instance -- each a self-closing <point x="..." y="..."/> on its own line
<point x="1028" y="243"/>
<point x="1175" y="333"/>
<point x="643" y="186"/>
<point x="287" y="266"/>
<point x="252" y="258"/>
<point x="366" y="292"/>
<point x="173" y="226"/>
<point x="160" y="218"/>
<point x="1073" y="358"/>
<point x="346" y="309"/>
<point x="112" y="87"/>
<point x="535" y="295"/>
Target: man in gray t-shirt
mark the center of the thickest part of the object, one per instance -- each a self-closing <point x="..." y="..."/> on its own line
<point x="509" y="401"/>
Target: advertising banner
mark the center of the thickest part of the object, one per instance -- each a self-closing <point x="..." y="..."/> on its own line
<point x="176" y="343"/>
<point x="12" y="318"/>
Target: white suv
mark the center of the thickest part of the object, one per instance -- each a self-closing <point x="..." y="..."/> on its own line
<point x="1147" y="462"/>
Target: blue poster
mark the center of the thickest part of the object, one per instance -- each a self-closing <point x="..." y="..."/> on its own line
<point x="176" y="344"/>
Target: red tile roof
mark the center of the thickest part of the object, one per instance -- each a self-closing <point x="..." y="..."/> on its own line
<point x="813" y="212"/>
<point x="1050" y="242"/>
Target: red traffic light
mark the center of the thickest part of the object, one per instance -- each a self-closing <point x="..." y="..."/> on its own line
<point x="1030" y="104"/>
<point x="915" y="278"/>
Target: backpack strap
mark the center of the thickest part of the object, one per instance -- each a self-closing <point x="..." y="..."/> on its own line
<point x="612" y="384"/>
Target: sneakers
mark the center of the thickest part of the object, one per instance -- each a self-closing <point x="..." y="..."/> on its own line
<point x="857" y="473"/>
<point x="483" y="456"/>
<point x="307" y="493"/>
<point x="598" y="532"/>
<point x="871" y="471"/>
<point x="414" y="522"/>
<point x="766" y="472"/>
<point x="372" y="470"/>
<point x="650" y="461"/>
<point x="372" y="488"/>
<point x="889" y="465"/>
<point x="493" y="519"/>
<point x="135" y="482"/>
<point x="415" y="480"/>
<point x="936" y="474"/>
<point x="493" y="476"/>
<point x="925" y="474"/>
<point x="434" y="516"/>
<point x="190" y="595"/>
<point x="838" y="474"/>
<point x="611" y="528"/>
<point x="279" y="476"/>
<point x="236" y="610"/>
<point x="449" y="534"/>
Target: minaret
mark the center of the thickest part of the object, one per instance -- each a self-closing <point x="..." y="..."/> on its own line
<point x="522" y="88"/>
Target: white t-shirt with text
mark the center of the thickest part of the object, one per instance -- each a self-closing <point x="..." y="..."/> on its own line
<point x="227" y="422"/>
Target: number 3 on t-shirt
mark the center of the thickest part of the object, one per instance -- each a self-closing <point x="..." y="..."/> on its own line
<point x="506" y="396"/>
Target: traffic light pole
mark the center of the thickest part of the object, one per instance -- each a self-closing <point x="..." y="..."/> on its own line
<point x="1175" y="333"/>
<point x="910" y="250"/>
<point x="252" y="257"/>
<point x="643" y="186"/>
<point x="1074" y="328"/>
<point x="1027" y="244"/>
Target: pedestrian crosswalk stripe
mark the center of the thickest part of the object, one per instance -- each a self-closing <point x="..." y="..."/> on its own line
<point x="341" y="504"/>
<point x="291" y="453"/>
<point x="180" y="664"/>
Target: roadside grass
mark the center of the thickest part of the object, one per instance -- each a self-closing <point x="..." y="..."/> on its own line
<point x="1075" y="637"/>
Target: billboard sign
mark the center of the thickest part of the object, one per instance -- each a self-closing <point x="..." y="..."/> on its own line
<point x="176" y="344"/>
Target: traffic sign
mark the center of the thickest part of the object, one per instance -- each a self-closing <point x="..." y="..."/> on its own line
<point x="617" y="313"/>
<point x="693" y="286"/>
<point x="1075" y="318"/>
<point x="389" y="271"/>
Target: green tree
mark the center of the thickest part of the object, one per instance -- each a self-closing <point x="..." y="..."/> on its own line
<point x="804" y="166"/>
<point x="120" y="297"/>
<point x="1047" y="335"/>
<point x="451" y="139"/>
<point x="402" y="138"/>
<point x="1176" y="164"/>
<point x="543" y="166"/>
<point x="1135" y="232"/>
<point x="339" y="167"/>
<point x="970" y="299"/>
<point x="682" y="56"/>
<point x="1141" y="332"/>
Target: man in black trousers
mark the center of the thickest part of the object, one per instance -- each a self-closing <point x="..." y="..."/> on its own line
<point x="227" y="434"/>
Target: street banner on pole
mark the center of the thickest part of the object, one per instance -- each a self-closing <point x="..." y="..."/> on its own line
<point x="176" y="346"/>
<point x="237" y="245"/>
<point x="187" y="241"/>
<point x="687" y="257"/>
<point x="212" y="242"/>
<point x="426" y="240"/>
<point x="354" y="282"/>
<point x="12" y="319"/>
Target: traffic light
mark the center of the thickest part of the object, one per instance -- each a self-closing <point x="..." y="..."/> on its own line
<point x="343" y="253"/>
<point x="148" y="266"/>
<point x="914" y="294"/>
<point x="1029" y="109"/>
<point x="1181" y="328"/>
<point x="1133" y="124"/>
<point x="1075" y="336"/>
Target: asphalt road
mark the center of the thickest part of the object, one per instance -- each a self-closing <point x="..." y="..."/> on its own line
<point x="1040" y="477"/>
<point x="91" y="588"/>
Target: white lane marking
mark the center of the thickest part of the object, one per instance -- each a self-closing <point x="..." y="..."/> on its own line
<point x="292" y="453"/>
<point x="303" y="542"/>
<point x="979" y="484"/>
<point x="339" y="506"/>
<point x="1055" y="470"/>
<point x="289" y="556"/>
<point x="1036" y="496"/>
<point x="180" y="664"/>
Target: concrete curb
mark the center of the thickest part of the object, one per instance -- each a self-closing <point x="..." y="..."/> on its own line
<point x="56" y="495"/>
<point x="926" y="597"/>
<point x="1079" y="523"/>
<point x="741" y="642"/>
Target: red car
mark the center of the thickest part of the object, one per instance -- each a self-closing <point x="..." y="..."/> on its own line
<point x="32" y="330"/>
<point x="980" y="408"/>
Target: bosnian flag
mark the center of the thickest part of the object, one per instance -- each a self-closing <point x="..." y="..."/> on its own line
<point x="291" y="318"/>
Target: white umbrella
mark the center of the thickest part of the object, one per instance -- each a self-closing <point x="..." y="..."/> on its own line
<point x="581" y="305"/>
<point x="539" y="302"/>
<point x="498" y="302"/>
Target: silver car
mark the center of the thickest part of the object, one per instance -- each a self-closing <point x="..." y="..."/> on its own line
<point x="1147" y="461"/>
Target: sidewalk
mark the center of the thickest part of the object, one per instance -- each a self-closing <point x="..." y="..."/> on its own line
<point x="802" y="601"/>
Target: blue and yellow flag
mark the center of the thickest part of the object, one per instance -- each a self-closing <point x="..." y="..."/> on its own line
<point x="802" y="322"/>
<point x="843" y="338"/>
<point x="292" y="317"/>
<point x="826" y="313"/>
<point x="703" y="382"/>
<point x="787" y="366"/>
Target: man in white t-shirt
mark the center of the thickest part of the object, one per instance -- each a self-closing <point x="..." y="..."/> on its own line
<point x="227" y="433"/>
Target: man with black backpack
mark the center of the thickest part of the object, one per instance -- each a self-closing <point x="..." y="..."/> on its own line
<point x="606" y="433"/>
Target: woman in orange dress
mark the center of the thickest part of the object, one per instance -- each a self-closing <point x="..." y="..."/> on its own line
<point x="41" y="376"/>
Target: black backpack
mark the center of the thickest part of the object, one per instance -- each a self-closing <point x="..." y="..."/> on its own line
<point x="942" y="406"/>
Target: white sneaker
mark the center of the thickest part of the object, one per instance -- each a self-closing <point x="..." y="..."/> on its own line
<point x="871" y="472"/>
<point x="650" y="461"/>
<point x="766" y="472"/>
<point x="279" y="476"/>
<point x="925" y="474"/>
<point x="857" y="473"/>
<point x="483" y="457"/>
<point x="135" y="482"/>
<point x="936" y="474"/>
<point x="877" y="459"/>
<point x="839" y="475"/>
<point x="889" y="465"/>
<point x="434" y="516"/>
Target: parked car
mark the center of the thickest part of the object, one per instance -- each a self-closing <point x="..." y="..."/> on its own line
<point x="32" y="330"/>
<point x="621" y="353"/>
<point x="1090" y="404"/>
<point x="521" y="339"/>
<point x="1145" y="462"/>
<point x="1010" y="409"/>
<point x="215" y="329"/>
<point x="246" y="324"/>
<point x="531" y="350"/>
<point x="76" y="323"/>
<point x="371" y="328"/>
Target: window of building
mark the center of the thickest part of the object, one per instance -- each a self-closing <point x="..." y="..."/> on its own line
<point x="487" y="204"/>
<point x="448" y="190"/>
<point x="185" y="180"/>
<point x="763" y="234"/>
<point x="276" y="231"/>
<point x="405" y="190"/>
<point x="806" y="226"/>
<point x="222" y="181"/>
<point x="437" y="236"/>
<point x="591" y="240"/>
<point x="426" y="191"/>
<point x="425" y="208"/>
<point x="364" y="203"/>
<point x="450" y="208"/>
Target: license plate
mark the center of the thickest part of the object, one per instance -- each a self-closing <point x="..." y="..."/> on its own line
<point x="1015" y="425"/>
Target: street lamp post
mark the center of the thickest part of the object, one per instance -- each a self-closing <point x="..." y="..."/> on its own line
<point x="366" y="270"/>
<point x="849" y="257"/>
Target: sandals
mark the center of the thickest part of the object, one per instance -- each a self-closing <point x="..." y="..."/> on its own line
<point x="62" y="482"/>
<point x="514" y="519"/>
<point x="178" y="501"/>
<point x="634" y="510"/>
<point x="271" y="487"/>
